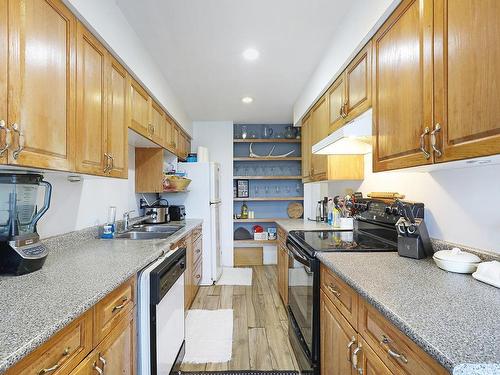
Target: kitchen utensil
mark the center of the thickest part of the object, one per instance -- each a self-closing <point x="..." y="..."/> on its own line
<point x="489" y="273"/>
<point x="318" y="211"/>
<point x="295" y="210"/>
<point x="456" y="260"/>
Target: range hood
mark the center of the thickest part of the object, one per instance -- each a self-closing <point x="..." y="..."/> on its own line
<point x="354" y="138"/>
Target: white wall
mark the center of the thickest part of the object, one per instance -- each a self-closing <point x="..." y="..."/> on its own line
<point x="217" y="136"/>
<point x="363" y="18"/>
<point x="78" y="205"/>
<point x="108" y="21"/>
<point x="461" y="205"/>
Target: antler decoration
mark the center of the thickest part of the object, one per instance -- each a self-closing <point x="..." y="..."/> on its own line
<point x="254" y="155"/>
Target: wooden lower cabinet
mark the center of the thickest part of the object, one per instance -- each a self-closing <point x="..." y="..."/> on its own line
<point x="364" y="342"/>
<point x="84" y="344"/>
<point x="194" y="262"/>
<point x="283" y="261"/>
<point x="115" y="354"/>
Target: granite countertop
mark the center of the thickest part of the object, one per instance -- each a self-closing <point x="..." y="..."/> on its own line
<point x="79" y="271"/>
<point x="453" y="317"/>
<point x="301" y="224"/>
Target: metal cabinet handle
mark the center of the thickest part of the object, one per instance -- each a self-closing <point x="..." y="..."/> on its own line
<point x="98" y="369"/>
<point x="354" y="358"/>
<point x="8" y="137"/>
<point x="103" y="361"/>
<point x="437" y="129"/>
<point x="332" y="289"/>
<point x="386" y="341"/>
<point x="106" y="167"/>
<point x="351" y="343"/>
<point x="120" y="306"/>
<point x="57" y="365"/>
<point x="344" y="109"/>
<point x="20" y="140"/>
<point x="422" y="143"/>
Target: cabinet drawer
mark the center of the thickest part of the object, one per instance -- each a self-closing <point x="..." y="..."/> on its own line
<point x="112" y="308"/>
<point x="62" y="352"/>
<point x="197" y="250"/>
<point x="341" y="294"/>
<point x="181" y="243"/>
<point x="197" y="273"/>
<point x="397" y="351"/>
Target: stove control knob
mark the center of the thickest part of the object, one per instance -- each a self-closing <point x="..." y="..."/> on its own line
<point x="395" y="210"/>
<point x="388" y="210"/>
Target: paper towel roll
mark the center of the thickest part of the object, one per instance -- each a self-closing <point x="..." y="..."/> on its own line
<point x="203" y="154"/>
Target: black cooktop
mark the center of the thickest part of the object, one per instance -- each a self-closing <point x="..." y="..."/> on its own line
<point x="340" y="241"/>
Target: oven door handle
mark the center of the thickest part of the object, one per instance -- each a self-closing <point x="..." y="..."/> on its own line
<point x="297" y="256"/>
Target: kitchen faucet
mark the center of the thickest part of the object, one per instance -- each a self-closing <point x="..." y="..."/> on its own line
<point x="127" y="221"/>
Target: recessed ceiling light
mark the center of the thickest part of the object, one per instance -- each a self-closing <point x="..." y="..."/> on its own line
<point x="250" y="54"/>
<point x="247" y="99"/>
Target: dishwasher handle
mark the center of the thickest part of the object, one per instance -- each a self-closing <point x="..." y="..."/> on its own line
<point x="165" y="275"/>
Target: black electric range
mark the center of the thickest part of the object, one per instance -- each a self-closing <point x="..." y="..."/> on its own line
<point x="374" y="231"/>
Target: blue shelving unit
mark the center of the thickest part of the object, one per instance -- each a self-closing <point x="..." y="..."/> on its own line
<point x="273" y="182"/>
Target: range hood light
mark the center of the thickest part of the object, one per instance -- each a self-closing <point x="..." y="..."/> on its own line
<point x="354" y="138"/>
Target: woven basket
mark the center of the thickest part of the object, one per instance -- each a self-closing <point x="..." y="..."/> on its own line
<point x="175" y="183"/>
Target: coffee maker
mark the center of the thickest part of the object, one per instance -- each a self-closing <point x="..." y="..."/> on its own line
<point x="21" y="251"/>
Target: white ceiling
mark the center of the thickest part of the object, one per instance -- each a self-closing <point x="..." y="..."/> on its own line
<point x="198" y="45"/>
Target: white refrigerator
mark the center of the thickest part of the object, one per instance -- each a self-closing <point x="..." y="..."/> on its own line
<point x="203" y="202"/>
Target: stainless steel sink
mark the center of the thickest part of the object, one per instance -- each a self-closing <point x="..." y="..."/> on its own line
<point x="135" y="235"/>
<point x="149" y="232"/>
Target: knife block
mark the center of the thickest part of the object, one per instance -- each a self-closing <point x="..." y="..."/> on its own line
<point x="418" y="245"/>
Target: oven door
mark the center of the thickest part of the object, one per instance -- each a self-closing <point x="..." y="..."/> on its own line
<point x="303" y="279"/>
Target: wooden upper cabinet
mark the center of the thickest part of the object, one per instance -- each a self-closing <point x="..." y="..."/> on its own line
<point x="41" y="84"/>
<point x="176" y="139"/>
<point x="139" y="109"/>
<point x="117" y="120"/>
<point x="157" y="123"/>
<point x="336" y="337"/>
<point x="91" y="103"/>
<point x="402" y="87"/>
<point x="3" y="80"/>
<point x="336" y="95"/>
<point x="467" y="78"/>
<point x="358" y="84"/>
<point x="169" y="134"/>
<point x="318" y="131"/>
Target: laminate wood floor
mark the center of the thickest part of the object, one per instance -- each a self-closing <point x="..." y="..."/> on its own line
<point x="260" y="325"/>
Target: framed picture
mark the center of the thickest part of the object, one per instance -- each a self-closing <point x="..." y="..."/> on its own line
<point x="242" y="188"/>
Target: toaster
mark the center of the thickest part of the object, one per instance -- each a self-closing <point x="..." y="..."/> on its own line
<point x="177" y="213"/>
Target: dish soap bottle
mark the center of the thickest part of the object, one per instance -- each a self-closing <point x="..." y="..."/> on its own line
<point x="244" y="211"/>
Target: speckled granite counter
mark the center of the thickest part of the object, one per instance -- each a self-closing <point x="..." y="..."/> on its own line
<point x="300" y="224"/>
<point x="79" y="271"/>
<point x="453" y="317"/>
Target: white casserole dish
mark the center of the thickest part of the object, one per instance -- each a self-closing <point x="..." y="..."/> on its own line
<point x="456" y="260"/>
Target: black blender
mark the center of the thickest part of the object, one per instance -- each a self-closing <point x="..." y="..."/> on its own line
<point x="21" y="251"/>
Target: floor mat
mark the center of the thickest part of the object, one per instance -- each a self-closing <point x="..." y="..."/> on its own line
<point x="209" y="336"/>
<point x="235" y="276"/>
<point x="243" y="372"/>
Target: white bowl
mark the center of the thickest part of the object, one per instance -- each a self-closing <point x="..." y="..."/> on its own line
<point x="458" y="267"/>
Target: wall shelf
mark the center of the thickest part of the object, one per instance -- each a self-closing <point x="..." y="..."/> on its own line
<point x="267" y="140"/>
<point x="265" y="199"/>
<point x="255" y="242"/>
<point x="271" y="158"/>
<point x="267" y="177"/>
<point x="257" y="220"/>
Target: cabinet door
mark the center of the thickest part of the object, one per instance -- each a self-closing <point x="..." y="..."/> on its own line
<point x="139" y="109"/>
<point x="3" y="80"/>
<point x="156" y="120"/>
<point x="283" y="273"/>
<point x="89" y="365"/>
<point x="41" y="84"/>
<point x="319" y="130"/>
<point x="176" y="145"/>
<point x="306" y="148"/>
<point x="369" y="362"/>
<point x="467" y="78"/>
<point x="402" y="87"/>
<point x="336" y="338"/>
<point x="118" y="348"/>
<point x="118" y="118"/>
<point x="91" y="89"/>
<point x="358" y="83"/>
<point x="169" y="133"/>
<point x="336" y="95"/>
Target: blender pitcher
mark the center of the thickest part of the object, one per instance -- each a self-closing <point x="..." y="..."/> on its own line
<point x="20" y="249"/>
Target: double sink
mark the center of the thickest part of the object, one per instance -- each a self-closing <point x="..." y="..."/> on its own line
<point x="149" y="232"/>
